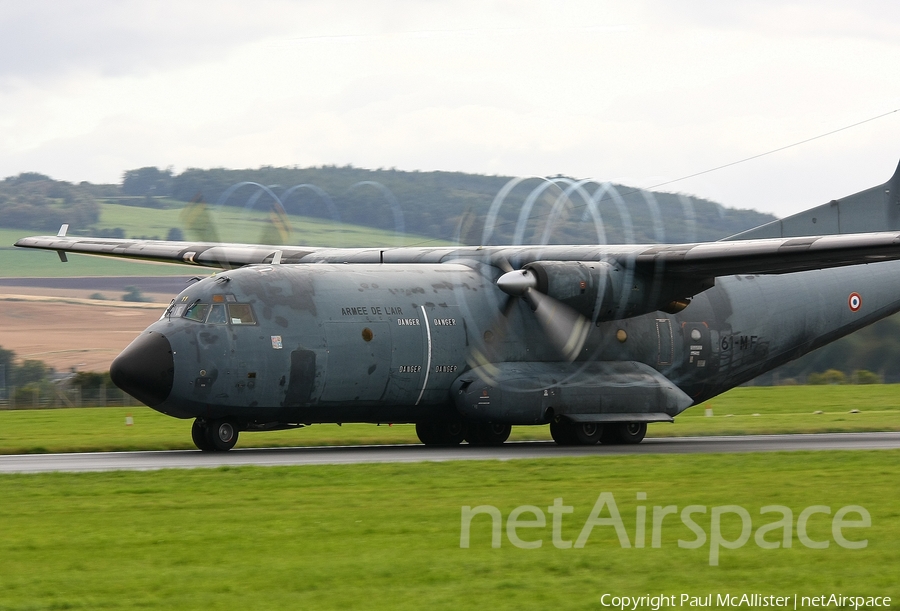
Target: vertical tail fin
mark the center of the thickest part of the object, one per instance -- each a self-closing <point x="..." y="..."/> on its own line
<point x="875" y="209"/>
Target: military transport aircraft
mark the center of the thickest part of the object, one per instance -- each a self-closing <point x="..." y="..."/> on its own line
<point x="595" y="341"/>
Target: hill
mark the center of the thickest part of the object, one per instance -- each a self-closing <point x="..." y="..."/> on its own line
<point x="446" y="206"/>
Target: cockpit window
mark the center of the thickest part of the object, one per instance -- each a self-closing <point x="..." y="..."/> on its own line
<point x="197" y="312"/>
<point x="241" y="314"/>
<point x="216" y="315"/>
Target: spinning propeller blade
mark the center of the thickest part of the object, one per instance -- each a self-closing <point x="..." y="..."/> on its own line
<point x="566" y="329"/>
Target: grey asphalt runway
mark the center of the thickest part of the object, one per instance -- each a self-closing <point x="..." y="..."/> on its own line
<point x="140" y="461"/>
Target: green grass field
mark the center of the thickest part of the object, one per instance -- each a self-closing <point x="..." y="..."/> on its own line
<point x="388" y="536"/>
<point x="748" y="410"/>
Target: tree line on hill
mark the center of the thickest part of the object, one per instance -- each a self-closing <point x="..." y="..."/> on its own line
<point x="35" y="201"/>
<point x="447" y="206"/>
<point x="451" y="205"/>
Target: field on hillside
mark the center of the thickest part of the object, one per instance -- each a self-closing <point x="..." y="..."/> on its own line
<point x="86" y="335"/>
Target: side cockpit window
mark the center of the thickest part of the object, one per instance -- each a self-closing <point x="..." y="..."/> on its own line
<point x="241" y="314"/>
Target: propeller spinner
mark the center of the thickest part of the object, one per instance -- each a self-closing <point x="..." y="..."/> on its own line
<point x="566" y="329"/>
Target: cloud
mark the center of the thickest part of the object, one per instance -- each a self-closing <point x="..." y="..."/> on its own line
<point x="44" y="38"/>
<point x="653" y="90"/>
<point x="863" y="19"/>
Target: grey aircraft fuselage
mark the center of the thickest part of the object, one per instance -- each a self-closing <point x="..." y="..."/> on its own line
<point x="384" y="343"/>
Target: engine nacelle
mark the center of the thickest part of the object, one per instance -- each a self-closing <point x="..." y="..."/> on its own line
<point x="535" y="392"/>
<point x="601" y="291"/>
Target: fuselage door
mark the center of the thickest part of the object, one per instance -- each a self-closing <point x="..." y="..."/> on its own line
<point x="666" y="344"/>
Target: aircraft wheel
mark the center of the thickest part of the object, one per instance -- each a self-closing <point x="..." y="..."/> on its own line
<point x="222" y="435"/>
<point x="483" y="434"/>
<point x="563" y="432"/>
<point x="449" y="433"/>
<point x="610" y="435"/>
<point x="567" y="433"/>
<point x="631" y="432"/>
<point x="200" y="435"/>
<point x="588" y="433"/>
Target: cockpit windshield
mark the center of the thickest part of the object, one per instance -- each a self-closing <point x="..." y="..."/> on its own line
<point x="219" y="313"/>
<point x="216" y="315"/>
<point x="197" y="311"/>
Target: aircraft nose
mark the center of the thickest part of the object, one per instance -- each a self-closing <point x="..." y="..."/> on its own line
<point x="145" y="369"/>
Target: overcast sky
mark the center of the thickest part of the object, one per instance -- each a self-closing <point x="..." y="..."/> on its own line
<point x="637" y="92"/>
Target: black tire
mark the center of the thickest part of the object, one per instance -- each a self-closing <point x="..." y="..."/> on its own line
<point x="588" y="433"/>
<point x="567" y="433"/>
<point x="484" y="434"/>
<point x="563" y="432"/>
<point x="631" y="432"/>
<point x="222" y="435"/>
<point x="200" y="435"/>
<point x="426" y="433"/>
<point x="610" y="435"/>
<point x="441" y="433"/>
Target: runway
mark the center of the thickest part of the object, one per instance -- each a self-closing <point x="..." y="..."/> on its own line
<point x="340" y="455"/>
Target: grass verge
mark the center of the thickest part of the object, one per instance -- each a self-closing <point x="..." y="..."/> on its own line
<point x="755" y="410"/>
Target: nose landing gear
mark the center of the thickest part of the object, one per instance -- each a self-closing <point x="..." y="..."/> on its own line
<point x="214" y="435"/>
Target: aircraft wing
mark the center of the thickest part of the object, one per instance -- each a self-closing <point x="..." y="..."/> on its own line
<point x="702" y="260"/>
<point x="772" y="256"/>
<point x="208" y="254"/>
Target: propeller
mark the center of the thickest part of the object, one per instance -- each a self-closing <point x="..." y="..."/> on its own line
<point x="564" y="328"/>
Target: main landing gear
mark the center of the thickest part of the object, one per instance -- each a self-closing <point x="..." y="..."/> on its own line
<point x="454" y="432"/>
<point x="568" y="433"/>
<point x="214" y="435"/>
<point x="564" y="433"/>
